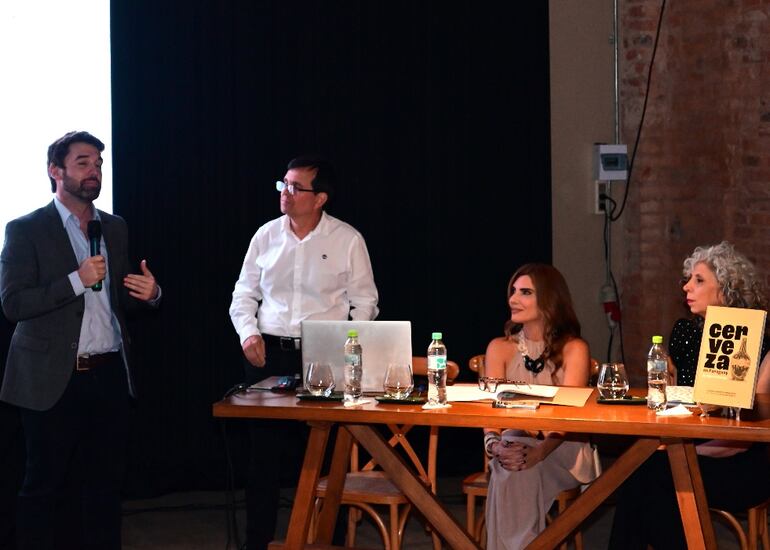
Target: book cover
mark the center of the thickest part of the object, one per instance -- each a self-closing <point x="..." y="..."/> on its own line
<point x="728" y="363"/>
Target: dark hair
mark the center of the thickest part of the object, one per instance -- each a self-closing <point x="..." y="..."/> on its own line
<point x="59" y="149"/>
<point x="555" y="303"/>
<point x="324" y="179"/>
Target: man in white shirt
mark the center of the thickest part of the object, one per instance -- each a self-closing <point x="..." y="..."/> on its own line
<point x="303" y="265"/>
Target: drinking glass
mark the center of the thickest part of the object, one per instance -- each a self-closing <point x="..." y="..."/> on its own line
<point x="613" y="382"/>
<point x="398" y="382"/>
<point x="319" y="379"/>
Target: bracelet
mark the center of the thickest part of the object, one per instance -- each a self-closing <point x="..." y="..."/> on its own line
<point x="490" y="438"/>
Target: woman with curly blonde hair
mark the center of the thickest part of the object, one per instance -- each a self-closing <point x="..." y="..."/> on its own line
<point x="734" y="473"/>
<point x="715" y="275"/>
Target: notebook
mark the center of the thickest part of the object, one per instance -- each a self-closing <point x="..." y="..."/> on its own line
<point x="382" y="342"/>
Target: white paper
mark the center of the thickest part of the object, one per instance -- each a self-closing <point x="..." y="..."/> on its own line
<point x="467" y="392"/>
<point x="471" y="392"/>
<point x="679" y="410"/>
<point x="529" y="389"/>
<point x="430" y="406"/>
<point x="356" y="403"/>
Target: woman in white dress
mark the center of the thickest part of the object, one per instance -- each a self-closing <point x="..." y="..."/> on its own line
<point x="542" y="345"/>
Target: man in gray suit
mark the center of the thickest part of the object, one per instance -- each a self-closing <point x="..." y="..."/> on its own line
<point x="68" y="367"/>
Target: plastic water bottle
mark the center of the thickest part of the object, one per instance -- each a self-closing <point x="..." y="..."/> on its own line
<point x="657" y="374"/>
<point x="437" y="370"/>
<point x="353" y="367"/>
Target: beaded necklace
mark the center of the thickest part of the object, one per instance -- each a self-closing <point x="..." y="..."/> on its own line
<point x="533" y="365"/>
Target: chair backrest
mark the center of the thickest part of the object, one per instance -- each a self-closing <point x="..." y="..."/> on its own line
<point x="420" y="368"/>
<point x="476" y="364"/>
<point x="593" y="373"/>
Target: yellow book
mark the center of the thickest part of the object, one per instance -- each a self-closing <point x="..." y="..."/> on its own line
<point x="728" y="363"/>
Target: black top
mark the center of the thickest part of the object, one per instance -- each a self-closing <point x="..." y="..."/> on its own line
<point x="684" y="347"/>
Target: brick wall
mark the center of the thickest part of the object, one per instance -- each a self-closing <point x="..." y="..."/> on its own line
<point x="702" y="171"/>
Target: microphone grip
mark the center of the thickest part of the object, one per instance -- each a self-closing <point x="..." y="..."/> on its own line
<point x="95" y="251"/>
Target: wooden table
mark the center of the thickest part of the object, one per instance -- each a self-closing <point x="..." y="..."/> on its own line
<point x="631" y="420"/>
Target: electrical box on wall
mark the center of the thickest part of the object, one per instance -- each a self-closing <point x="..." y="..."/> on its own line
<point x="610" y="162"/>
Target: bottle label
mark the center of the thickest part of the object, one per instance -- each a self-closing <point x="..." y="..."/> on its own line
<point x="436" y="362"/>
<point x="656" y="365"/>
<point x="352" y="359"/>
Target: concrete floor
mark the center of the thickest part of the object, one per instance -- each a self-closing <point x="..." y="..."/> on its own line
<point x="197" y="521"/>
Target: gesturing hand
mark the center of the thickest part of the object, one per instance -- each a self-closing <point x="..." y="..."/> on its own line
<point x="142" y="287"/>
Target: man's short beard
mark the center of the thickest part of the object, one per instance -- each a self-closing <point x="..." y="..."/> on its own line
<point x="75" y="188"/>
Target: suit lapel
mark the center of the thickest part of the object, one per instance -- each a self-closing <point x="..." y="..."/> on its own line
<point x="108" y="231"/>
<point x="60" y="239"/>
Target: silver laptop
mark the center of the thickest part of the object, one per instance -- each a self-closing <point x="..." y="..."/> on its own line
<point x="382" y="342"/>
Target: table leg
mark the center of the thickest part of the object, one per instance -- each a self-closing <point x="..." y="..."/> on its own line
<point x="335" y="483"/>
<point x="690" y="494"/>
<point x="425" y="501"/>
<point x="301" y="512"/>
<point x="597" y="492"/>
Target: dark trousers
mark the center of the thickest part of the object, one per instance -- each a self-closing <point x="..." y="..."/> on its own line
<point x="647" y="511"/>
<point x="70" y="497"/>
<point x="11" y="472"/>
<point x="277" y="447"/>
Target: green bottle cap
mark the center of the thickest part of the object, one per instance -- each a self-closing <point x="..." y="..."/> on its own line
<point x="657" y="339"/>
<point x="352" y="333"/>
<point x="437" y="336"/>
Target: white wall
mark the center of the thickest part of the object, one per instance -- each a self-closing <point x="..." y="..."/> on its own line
<point x="55" y="74"/>
<point x="582" y="110"/>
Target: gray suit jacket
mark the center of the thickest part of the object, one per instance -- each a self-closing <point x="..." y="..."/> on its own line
<point x="36" y="293"/>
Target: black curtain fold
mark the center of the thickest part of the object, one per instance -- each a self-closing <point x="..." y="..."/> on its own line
<point x="436" y="116"/>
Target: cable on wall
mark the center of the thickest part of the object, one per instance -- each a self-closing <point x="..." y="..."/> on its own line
<point x="613" y="217"/>
<point x="610" y="295"/>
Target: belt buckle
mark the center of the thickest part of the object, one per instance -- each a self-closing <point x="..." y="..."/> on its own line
<point x="84" y="368"/>
<point x="288" y="343"/>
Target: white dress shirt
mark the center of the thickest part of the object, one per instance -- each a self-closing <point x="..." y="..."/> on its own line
<point x="99" y="331"/>
<point x="326" y="275"/>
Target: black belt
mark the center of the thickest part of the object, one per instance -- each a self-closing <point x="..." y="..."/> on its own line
<point x="285" y="343"/>
<point x="89" y="361"/>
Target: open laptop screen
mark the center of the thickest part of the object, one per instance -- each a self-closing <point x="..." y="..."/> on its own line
<point x="382" y="342"/>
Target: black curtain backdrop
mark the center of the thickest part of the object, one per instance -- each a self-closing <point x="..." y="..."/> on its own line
<point x="436" y="116"/>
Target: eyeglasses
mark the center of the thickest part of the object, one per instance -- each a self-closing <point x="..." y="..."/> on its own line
<point x="490" y="384"/>
<point x="291" y="188"/>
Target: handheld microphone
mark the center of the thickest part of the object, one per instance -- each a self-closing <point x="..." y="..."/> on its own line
<point x="94" y="241"/>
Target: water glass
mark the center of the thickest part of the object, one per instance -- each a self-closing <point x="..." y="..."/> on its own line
<point x="398" y="382"/>
<point x="613" y="382"/>
<point x="319" y="379"/>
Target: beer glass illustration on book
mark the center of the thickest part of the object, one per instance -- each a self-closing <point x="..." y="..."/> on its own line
<point x="740" y="363"/>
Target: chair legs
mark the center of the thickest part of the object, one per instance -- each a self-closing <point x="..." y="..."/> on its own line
<point x="470" y="515"/>
<point x="757" y="526"/>
<point x="563" y="500"/>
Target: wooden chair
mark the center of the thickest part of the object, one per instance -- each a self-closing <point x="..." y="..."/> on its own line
<point x="420" y="368"/>
<point x="366" y="486"/>
<point x="757" y="523"/>
<point x="475" y="486"/>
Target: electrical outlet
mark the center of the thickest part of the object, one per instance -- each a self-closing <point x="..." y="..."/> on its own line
<point x="601" y="188"/>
